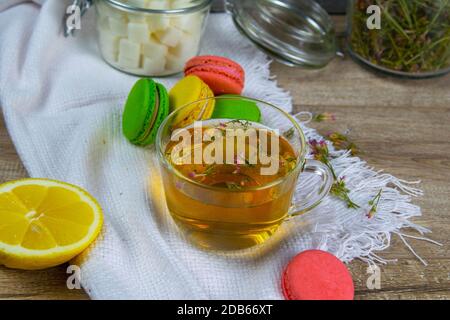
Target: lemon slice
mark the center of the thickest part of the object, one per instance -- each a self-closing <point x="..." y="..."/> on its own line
<point x="44" y="223"/>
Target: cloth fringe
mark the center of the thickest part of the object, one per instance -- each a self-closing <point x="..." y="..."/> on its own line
<point x="360" y="237"/>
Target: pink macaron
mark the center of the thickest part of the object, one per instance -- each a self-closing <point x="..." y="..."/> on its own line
<point x="222" y="75"/>
<point x="317" y="275"/>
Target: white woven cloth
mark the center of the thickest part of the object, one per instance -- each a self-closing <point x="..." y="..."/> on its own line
<point x="62" y="106"/>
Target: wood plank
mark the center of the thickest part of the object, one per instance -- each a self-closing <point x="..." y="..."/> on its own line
<point x="44" y="284"/>
<point x="402" y="126"/>
<point x="19" y="284"/>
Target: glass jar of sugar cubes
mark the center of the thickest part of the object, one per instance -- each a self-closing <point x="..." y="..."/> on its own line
<point x="150" y="37"/>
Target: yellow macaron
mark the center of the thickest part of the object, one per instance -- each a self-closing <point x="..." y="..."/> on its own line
<point x="186" y="92"/>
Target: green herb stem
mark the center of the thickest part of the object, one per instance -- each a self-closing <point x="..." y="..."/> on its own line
<point x="414" y="36"/>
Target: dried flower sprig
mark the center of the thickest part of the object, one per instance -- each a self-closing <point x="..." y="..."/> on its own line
<point x="211" y="169"/>
<point x="324" y="117"/>
<point x="339" y="190"/>
<point x="342" y="142"/>
<point x="242" y="123"/>
<point x="233" y="186"/>
<point x="374" y="205"/>
<point x="288" y="134"/>
<point x="320" y="151"/>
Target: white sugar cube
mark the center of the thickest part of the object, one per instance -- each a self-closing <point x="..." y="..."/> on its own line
<point x="156" y="22"/>
<point x="187" y="48"/>
<point x="174" y="63"/>
<point x="154" y="66"/>
<point x="154" y="50"/>
<point x="125" y="62"/>
<point x="129" y="49"/>
<point x="170" y="37"/>
<point x="118" y="26"/>
<point x="109" y="42"/>
<point x="138" y="32"/>
<point x="109" y="46"/>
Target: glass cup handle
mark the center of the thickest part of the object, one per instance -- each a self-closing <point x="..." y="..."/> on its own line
<point x="311" y="198"/>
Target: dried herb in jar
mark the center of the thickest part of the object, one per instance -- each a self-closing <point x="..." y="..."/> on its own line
<point x="414" y="35"/>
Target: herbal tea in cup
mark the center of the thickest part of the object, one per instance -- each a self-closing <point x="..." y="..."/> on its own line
<point x="229" y="183"/>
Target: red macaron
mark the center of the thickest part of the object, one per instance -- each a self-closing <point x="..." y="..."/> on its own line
<point x="317" y="275"/>
<point x="222" y="75"/>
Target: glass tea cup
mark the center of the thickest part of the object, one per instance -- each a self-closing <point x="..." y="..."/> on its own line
<point x="234" y="204"/>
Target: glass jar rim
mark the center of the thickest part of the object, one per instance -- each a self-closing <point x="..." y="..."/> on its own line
<point x="132" y="8"/>
<point x="295" y="125"/>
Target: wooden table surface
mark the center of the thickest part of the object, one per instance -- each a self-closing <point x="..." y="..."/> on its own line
<point x="402" y="126"/>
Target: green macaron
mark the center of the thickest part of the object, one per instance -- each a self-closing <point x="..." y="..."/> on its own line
<point x="236" y="107"/>
<point x="146" y="108"/>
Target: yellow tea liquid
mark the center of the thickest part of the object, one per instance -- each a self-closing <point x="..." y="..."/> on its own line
<point x="231" y="205"/>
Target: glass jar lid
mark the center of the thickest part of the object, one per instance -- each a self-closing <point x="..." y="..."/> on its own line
<point x="295" y="32"/>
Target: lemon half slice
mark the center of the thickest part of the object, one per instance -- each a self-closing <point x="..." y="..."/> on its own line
<point x="44" y="223"/>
